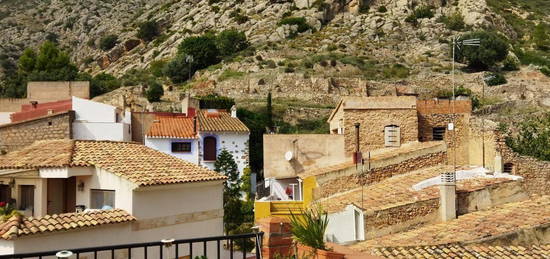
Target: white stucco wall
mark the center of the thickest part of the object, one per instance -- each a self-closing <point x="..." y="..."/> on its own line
<point x="346" y="226"/>
<point x="165" y="145"/>
<point x="235" y="143"/>
<point x="104" y="180"/>
<point x="90" y="111"/>
<point x="5" y="117"/>
<point x="101" y="131"/>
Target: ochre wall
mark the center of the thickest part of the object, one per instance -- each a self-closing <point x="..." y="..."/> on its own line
<point x="55" y="90"/>
<point x="310" y="151"/>
<point x="17" y="135"/>
<point x="371" y="131"/>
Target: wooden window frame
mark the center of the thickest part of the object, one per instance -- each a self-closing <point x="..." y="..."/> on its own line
<point x="174" y="146"/>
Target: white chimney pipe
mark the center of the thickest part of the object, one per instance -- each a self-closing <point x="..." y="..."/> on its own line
<point x="234" y="111"/>
<point x="447" y="199"/>
<point x="498" y="164"/>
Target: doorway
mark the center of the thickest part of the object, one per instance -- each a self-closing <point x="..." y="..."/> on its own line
<point x="61" y="195"/>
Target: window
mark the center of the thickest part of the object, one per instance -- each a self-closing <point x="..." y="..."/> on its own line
<point x="102" y="199"/>
<point x="181" y="147"/>
<point x="438" y="133"/>
<point x="210" y="149"/>
<point x="26" y="201"/>
<point x="5" y="193"/>
<point x="392" y="136"/>
<point x="508" y="168"/>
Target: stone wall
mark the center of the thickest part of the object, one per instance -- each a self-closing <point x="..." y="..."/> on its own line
<point x="535" y="173"/>
<point x="17" y="135"/>
<point x="371" y="131"/>
<point x="57" y="90"/>
<point x="348" y="179"/>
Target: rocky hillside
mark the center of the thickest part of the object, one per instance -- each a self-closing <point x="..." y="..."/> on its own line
<point x="351" y="47"/>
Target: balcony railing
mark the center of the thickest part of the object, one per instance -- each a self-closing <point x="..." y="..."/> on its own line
<point x="238" y="246"/>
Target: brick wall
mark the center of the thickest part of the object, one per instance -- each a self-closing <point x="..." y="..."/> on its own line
<point x="443" y="106"/>
<point x="373" y="123"/>
<point x="349" y="180"/>
<point x="17" y="135"/>
<point x="535" y="173"/>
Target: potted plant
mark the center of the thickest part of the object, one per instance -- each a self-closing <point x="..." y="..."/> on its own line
<point x="308" y="230"/>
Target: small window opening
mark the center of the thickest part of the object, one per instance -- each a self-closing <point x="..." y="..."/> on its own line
<point x="49" y="123"/>
<point x="181" y="147"/>
<point x="508" y="168"/>
<point x="438" y="133"/>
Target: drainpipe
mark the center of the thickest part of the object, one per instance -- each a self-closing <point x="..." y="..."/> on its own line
<point x="357" y="154"/>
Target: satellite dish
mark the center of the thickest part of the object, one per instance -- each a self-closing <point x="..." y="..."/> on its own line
<point x="289" y="155"/>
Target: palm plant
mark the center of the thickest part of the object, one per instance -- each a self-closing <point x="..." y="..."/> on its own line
<point x="309" y="229"/>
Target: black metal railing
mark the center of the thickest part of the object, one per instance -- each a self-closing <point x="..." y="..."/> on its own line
<point x="236" y="244"/>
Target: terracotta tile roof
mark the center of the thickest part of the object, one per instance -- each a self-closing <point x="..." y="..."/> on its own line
<point x="18" y="225"/>
<point x="132" y="161"/>
<point x="469" y="251"/>
<point x="44" y="153"/>
<point x="218" y="120"/>
<point x="397" y="191"/>
<point x="172" y="127"/>
<point x="472" y="227"/>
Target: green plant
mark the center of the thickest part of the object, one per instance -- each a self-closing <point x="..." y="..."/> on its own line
<point x="226" y="165"/>
<point x="101" y="83"/>
<point x="154" y="91"/>
<point x="493" y="49"/>
<point x="492" y="79"/>
<point x="178" y="69"/>
<point x="157" y="67"/>
<point x="300" y="22"/>
<point x="460" y="91"/>
<point x="545" y="70"/>
<point x="228" y="74"/>
<point x="511" y="63"/>
<point x="108" y="42"/>
<point x="420" y="13"/>
<point x="214" y="101"/>
<point x="148" y="30"/>
<point x="230" y="42"/>
<point x="453" y="22"/>
<point x="533" y="138"/>
<point x="309" y="228"/>
<point x="382" y="9"/>
<point x="7" y="211"/>
<point x="203" y="49"/>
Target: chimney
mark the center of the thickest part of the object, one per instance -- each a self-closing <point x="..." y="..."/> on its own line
<point x="34" y="104"/>
<point x="234" y="111"/>
<point x="447" y="200"/>
<point x="498" y="164"/>
<point x="195" y="124"/>
<point x="185" y="104"/>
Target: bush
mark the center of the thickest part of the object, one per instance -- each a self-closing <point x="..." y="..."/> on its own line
<point x="511" y="63"/>
<point x="230" y="42"/>
<point x="103" y="83"/>
<point x="533" y="138"/>
<point x="460" y="91"/>
<point x="382" y="9"/>
<point x="227" y="74"/>
<point x="157" y="67"/>
<point x="454" y="22"/>
<point x="214" y="101"/>
<point x="420" y="13"/>
<point x="108" y="42"/>
<point x="154" y="91"/>
<point x="50" y="64"/>
<point x="301" y="22"/>
<point x="541" y="36"/>
<point x="203" y="49"/>
<point x="492" y="79"/>
<point x="493" y="49"/>
<point x="545" y="70"/>
<point x="148" y="30"/>
<point x="178" y="70"/>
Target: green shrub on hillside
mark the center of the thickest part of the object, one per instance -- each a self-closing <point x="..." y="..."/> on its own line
<point x="214" y="101"/>
<point x="545" y="70"/>
<point x="420" y="13"/>
<point x="511" y="63"/>
<point x="148" y="30"/>
<point x="492" y="79"/>
<point x="230" y="42"/>
<point x="453" y="22"/>
<point x="154" y="91"/>
<point x="300" y="22"/>
<point x="108" y="42"/>
<point x="203" y="49"/>
<point x="382" y="9"/>
<point x="493" y="49"/>
<point x="533" y="138"/>
<point x="178" y="69"/>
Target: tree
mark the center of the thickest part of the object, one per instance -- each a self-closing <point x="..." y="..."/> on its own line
<point x="103" y="83"/>
<point x="533" y="138"/>
<point x="203" y="49"/>
<point x="27" y="61"/>
<point x="148" y="30"/>
<point x="230" y="42"/>
<point x="269" y="112"/>
<point x="178" y="70"/>
<point x="541" y="36"/>
<point x="108" y="42"/>
<point x="493" y="49"/>
<point x="154" y="91"/>
<point x="232" y="203"/>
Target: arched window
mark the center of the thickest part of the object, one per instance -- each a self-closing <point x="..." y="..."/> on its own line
<point x="210" y="149"/>
<point x="508" y="168"/>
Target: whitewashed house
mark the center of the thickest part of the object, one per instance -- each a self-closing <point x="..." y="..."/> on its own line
<point x="200" y="139"/>
<point x="98" y="121"/>
<point x="81" y="193"/>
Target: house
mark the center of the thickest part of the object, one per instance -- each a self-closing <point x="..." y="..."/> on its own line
<point x="44" y="92"/>
<point x="199" y="139"/>
<point x="75" y="118"/>
<point x="82" y="193"/>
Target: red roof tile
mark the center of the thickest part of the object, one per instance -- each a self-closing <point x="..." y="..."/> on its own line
<point x="166" y="126"/>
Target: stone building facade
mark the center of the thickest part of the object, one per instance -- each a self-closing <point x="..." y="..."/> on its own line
<point x="17" y="135"/>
